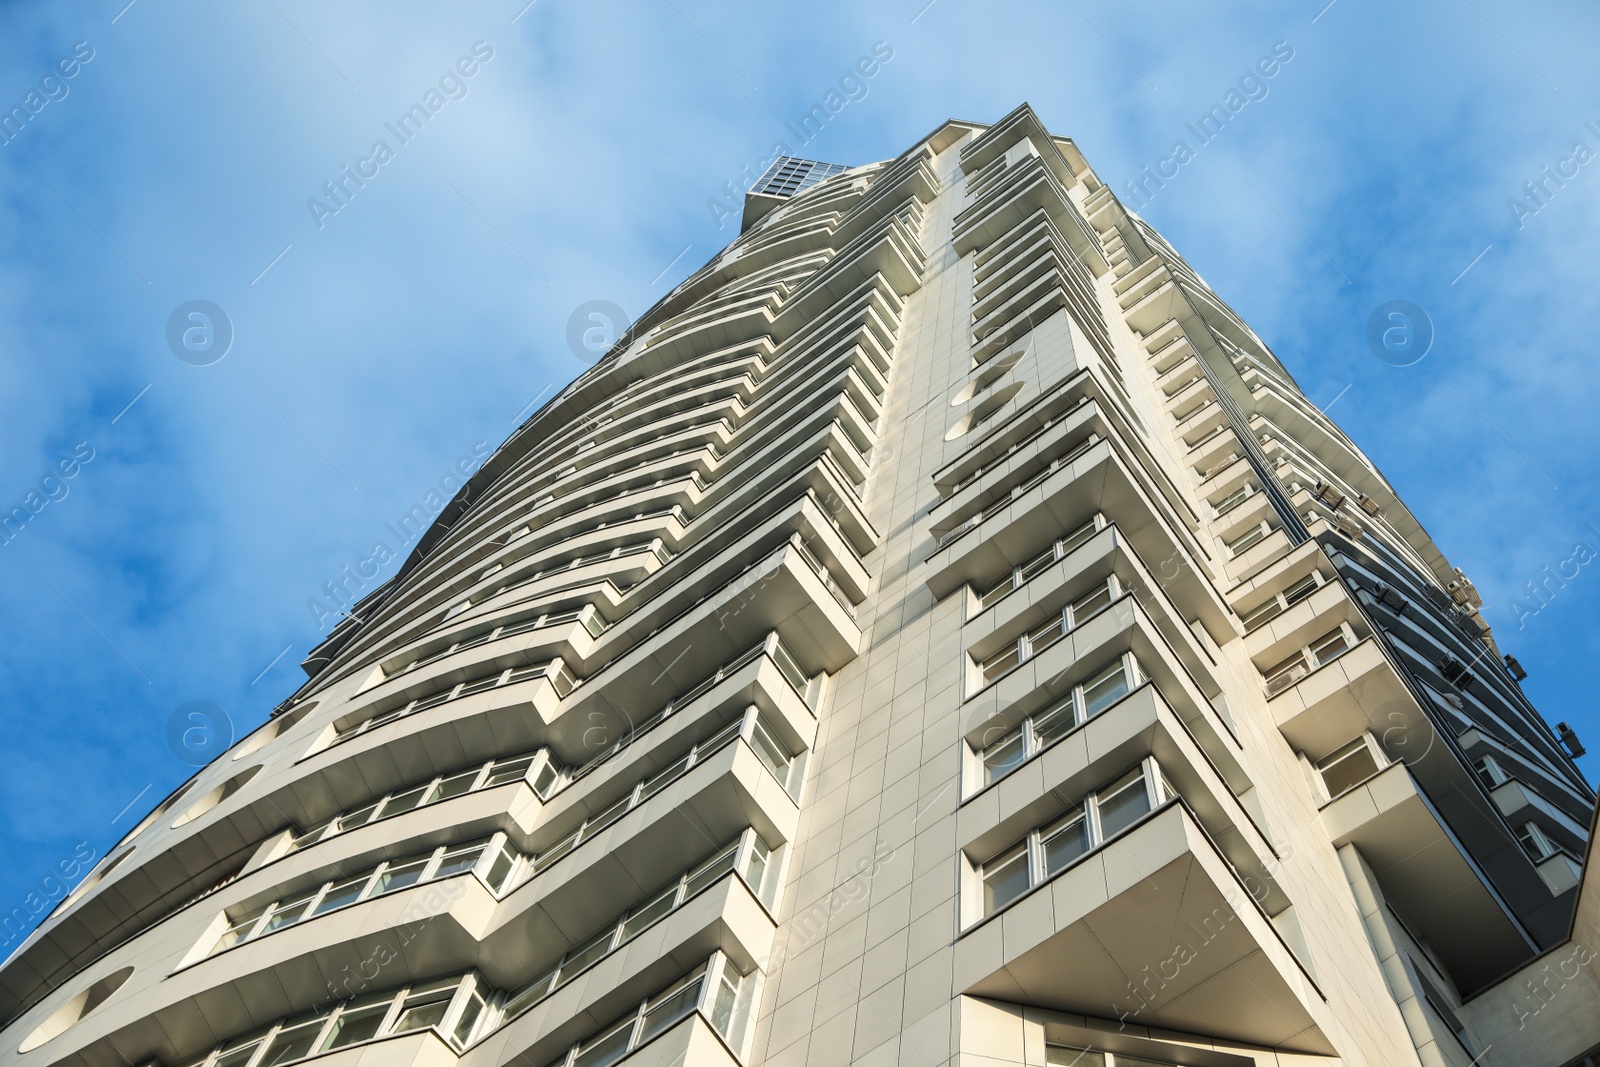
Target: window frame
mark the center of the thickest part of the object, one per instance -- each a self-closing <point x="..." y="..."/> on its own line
<point x="1157" y="791"/>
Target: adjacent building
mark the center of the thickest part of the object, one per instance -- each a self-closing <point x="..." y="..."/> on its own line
<point x="940" y="631"/>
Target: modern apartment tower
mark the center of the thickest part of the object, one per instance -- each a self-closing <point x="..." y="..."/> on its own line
<point x="940" y="631"/>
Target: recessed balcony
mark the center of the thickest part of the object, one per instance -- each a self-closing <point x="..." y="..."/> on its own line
<point x="1427" y="875"/>
<point x="1157" y="929"/>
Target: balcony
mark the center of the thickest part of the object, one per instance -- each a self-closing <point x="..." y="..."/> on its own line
<point x="1427" y="875"/>
<point x="1100" y="935"/>
<point x="1097" y="480"/>
<point x="1319" y="711"/>
<point x="1143" y="723"/>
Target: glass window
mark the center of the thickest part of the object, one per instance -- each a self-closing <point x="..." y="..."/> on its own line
<point x="756" y="869"/>
<point x="1004" y="756"/>
<point x="1043" y="636"/>
<point x="238" y="929"/>
<point x="402" y="873"/>
<point x="1104" y="689"/>
<point x="1001" y="662"/>
<point x="1085" y="607"/>
<point x="649" y="913"/>
<point x="1490" y="771"/>
<point x="1329" y="647"/>
<point x="1351" y="765"/>
<point x="1247" y="539"/>
<point x="774" y="755"/>
<point x="1005" y="878"/>
<point x="669" y="1008"/>
<point x="509" y="771"/>
<point x="288" y="914"/>
<point x="239" y="1055"/>
<point x="359" y="1020"/>
<point x="587" y="953"/>
<point x="342" y="893"/>
<point x="425" y="1005"/>
<point x="453" y="786"/>
<point x="1262" y="614"/>
<point x="606" y="1049"/>
<point x="1065" y="841"/>
<point x="1301" y="589"/>
<point x="470" y="1011"/>
<point x="294" y="1039"/>
<point x="544" y="781"/>
<point x="1073" y="1057"/>
<point x="998" y="591"/>
<point x="1080" y="535"/>
<point x="727" y="996"/>
<point x="459" y="859"/>
<point x="649" y="788"/>
<point x="401" y="802"/>
<point x="1121" y="805"/>
<point x="710" y="871"/>
<point x="500" y="868"/>
<point x="1054" y="723"/>
<point x="357" y="817"/>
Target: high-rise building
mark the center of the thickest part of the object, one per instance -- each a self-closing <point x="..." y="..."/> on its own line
<point x="939" y="631"/>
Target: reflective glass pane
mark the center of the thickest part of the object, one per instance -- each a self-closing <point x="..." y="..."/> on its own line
<point x="1042" y="637"/>
<point x="457" y="860"/>
<point x="509" y="771"/>
<point x="1003" y="757"/>
<point x="238" y="1057"/>
<point x="711" y="871"/>
<point x="400" y="802"/>
<point x="1055" y="723"/>
<point x="454" y="786"/>
<point x="1005" y="879"/>
<point x="293" y="1040"/>
<point x="359" y="1021"/>
<point x="357" y="817"/>
<point x="998" y="592"/>
<point x="587" y="953"/>
<point x="1104" y="689"/>
<point x="1329" y="647"/>
<point x="1122" y="804"/>
<point x="649" y="913"/>
<point x="1000" y="663"/>
<point x="669" y="1009"/>
<point x="606" y="1049"/>
<point x="771" y="753"/>
<point x="1065" y="841"/>
<point x="1078" y="537"/>
<point x="1086" y="606"/>
<point x="287" y="914"/>
<point x="500" y="868"/>
<point x="469" y="1017"/>
<point x="401" y="873"/>
<point x="343" y="893"/>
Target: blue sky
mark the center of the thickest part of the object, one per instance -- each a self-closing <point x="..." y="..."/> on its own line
<point x="579" y="162"/>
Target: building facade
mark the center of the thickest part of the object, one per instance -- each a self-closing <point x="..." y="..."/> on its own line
<point x="940" y="631"/>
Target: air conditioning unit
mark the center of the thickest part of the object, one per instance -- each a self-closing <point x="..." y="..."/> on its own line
<point x="1369" y="505"/>
<point x="1463" y="592"/>
<point x="1452" y="669"/>
<point x="1329" y="495"/>
<point x="1348" y="526"/>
